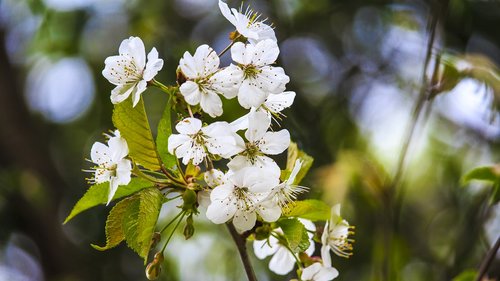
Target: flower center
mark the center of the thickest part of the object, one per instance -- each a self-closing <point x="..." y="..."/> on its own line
<point x="251" y="151"/>
<point x="250" y="71"/>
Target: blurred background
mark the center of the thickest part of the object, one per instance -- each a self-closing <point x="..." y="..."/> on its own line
<point x="357" y="67"/>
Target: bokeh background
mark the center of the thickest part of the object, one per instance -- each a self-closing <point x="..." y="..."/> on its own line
<point x="357" y="68"/>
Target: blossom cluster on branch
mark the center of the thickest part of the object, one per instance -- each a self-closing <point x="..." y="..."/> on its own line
<point x="225" y="169"/>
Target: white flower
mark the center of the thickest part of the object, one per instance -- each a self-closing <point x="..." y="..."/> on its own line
<point x="336" y="234"/>
<point x="204" y="81"/>
<point x="111" y="165"/>
<point x="274" y="104"/>
<point x="242" y="198"/>
<point x="129" y="70"/>
<point x="283" y="260"/>
<point x="261" y="142"/>
<point x="248" y="24"/>
<point x="287" y="192"/>
<point x="320" y="271"/>
<point x="196" y="142"/>
<point x="260" y="79"/>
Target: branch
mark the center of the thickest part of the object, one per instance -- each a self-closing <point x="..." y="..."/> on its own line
<point x="242" y="249"/>
<point x="488" y="259"/>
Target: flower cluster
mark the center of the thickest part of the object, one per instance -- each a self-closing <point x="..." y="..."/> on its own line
<point x="228" y="168"/>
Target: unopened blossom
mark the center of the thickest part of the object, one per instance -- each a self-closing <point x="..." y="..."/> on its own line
<point x="205" y="82"/>
<point x="336" y="234"/>
<point x="286" y="192"/>
<point x="261" y="143"/>
<point x="195" y="142"/>
<point x="248" y="24"/>
<point x="260" y="79"/>
<point x="242" y="198"/>
<point x="111" y="166"/>
<point x="129" y="70"/>
<point x="274" y="104"/>
<point x="320" y="271"/>
<point x="283" y="260"/>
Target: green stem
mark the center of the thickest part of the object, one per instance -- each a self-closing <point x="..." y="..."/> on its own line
<point x="173" y="230"/>
<point x="229" y="46"/>
<point x="167" y="89"/>
<point x="174" y="219"/>
<point x="137" y="171"/>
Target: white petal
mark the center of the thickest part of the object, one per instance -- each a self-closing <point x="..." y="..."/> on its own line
<point x="226" y="12"/>
<point x="250" y="95"/>
<point x="244" y="220"/>
<point x="188" y="126"/>
<point x="221" y="211"/>
<point x="113" y="186"/>
<point x="263" y="248"/>
<point x="188" y="67"/>
<point x="102" y="175"/>
<point x="221" y="192"/>
<point x="269" y="211"/>
<point x="136" y="94"/>
<point x="265" y="52"/>
<point x="118" y="148"/>
<point x="175" y="141"/>
<point x="282" y="262"/>
<point x="191" y="92"/>
<point x="272" y="79"/>
<point x="277" y="102"/>
<point x="207" y="60"/>
<point x="153" y="66"/>
<point x="100" y="154"/>
<point x="274" y="143"/>
<point x="309" y="272"/>
<point x="326" y="274"/>
<point x="203" y="198"/>
<point x="268" y="164"/>
<point x="258" y="180"/>
<point x="325" y="256"/>
<point x="214" y="178"/>
<point x="258" y="123"/>
<point x="211" y="103"/>
<point x="263" y="31"/>
<point x="227" y="81"/>
<point x="122" y="92"/>
<point x="242" y="53"/>
<point x="296" y="169"/>
<point x="240" y="123"/>
<point x="238" y="163"/>
<point x="123" y="171"/>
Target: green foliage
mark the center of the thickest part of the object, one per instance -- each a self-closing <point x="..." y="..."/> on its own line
<point x="114" y="224"/>
<point x="468" y="275"/>
<point x="133" y="220"/>
<point x="487" y="173"/>
<point x="164" y="131"/>
<point x="98" y="194"/>
<point x="295" y="234"/>
<point x="134" y="127"/>
<point x="314" y="210"/>
<point x="293" y="154"/>
<point x="141" y="220"/>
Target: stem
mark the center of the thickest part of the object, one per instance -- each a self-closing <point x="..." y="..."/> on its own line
<point x="190" y="111"/>
<point x="161" y="86"/>
<point x="172" y="233"/>
<point x="229" y="46"/>
<point x="136" y="171"/>
<point x="488" y="259"/>
<point x="242" y="249"/>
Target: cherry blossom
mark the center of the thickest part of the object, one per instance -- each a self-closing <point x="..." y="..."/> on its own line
<point x="248" y="24"/>
<point x="336" y="234"/>
<point x="205" y="81"/>
<point x="196" y="142"/>
<point x="242" y="198"/>
<point x="112" y="166"/>
<point x="129" y="70"/>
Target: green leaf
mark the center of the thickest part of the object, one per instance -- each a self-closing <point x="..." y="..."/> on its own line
<point x="293" y="154"/>
<point x="140" y="221"/>
<point x="133" y="125"/>
<point x="314" y="210"/>
<point x="468" y="275"/>
<point x="114" y="229"/>
<point x="98" y="194"/>
<point x="488" y="173"/>
<point x="164" y="131"/>
<point x="295" y="234"/>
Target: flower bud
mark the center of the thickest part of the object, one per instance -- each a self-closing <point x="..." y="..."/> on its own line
<point x="189" y="197"/>
<point x="189" y="228"/>
<point x="153" y="269"/>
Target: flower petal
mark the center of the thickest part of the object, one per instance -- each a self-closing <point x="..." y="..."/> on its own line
<point x="282" y="262"/>
<point x="188" y="126"/>
<point x="277" y="102"/>
<point x="136" y="94"/>
<point x="211" y="103"/>
<point x="250" y="95"/>
<point x="265" y="52"/>
<point x="122" y="92"/>
<point x="274" y="143"/>
<point x="244" y="220"/>
<point x="153" y="66"/>
<point x="265" y="248"/>
<point x="258" y="123"/>
<point x="100" y="154"/>
<point x="191" y="92"/>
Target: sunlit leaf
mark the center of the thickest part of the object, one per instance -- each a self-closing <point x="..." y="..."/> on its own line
<point x="134" y="127"/>
<point x="98" y="194"/>
<point x="164" y="131"/>
<point x="293" y="154"/>
<point x="468" y="275"/>
<point x="295" y="234"/>
<point x="314" y="210"/>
